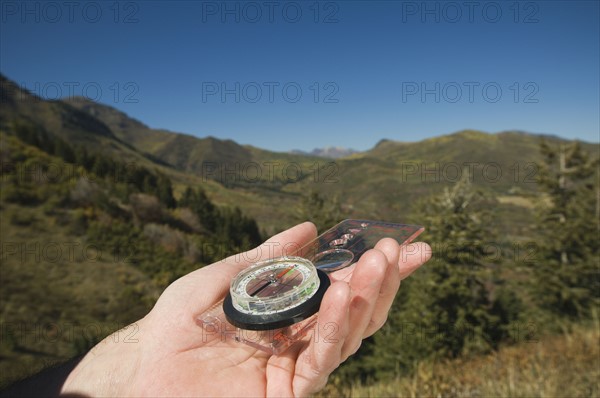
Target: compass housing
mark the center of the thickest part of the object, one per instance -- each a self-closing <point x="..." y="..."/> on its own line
<point x="275" y="293"/>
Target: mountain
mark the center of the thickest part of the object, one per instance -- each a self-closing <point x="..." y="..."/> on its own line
<point x="183" y="152"/>
<point x="382" y="182"/>
<point x="330" y="152"/>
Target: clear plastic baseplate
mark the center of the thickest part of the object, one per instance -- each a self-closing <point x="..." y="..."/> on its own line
<point x="215" y="326"/>
<point x="337" y="248"/>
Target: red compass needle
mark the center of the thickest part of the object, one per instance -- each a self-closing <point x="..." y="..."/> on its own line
<point x="277" y="277"/>
<point x="283" y="272"/>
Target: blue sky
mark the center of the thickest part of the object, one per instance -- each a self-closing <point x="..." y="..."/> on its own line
<point x="306" y="74"/>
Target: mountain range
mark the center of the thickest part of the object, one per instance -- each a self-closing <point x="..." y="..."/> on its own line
<point x="382" y="182"/>
<point x="331" y="152"/>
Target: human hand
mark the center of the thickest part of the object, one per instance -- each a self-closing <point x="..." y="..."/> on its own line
<point x="173" y="358"/>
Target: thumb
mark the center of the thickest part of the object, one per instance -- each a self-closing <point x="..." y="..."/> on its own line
<point x="204" y="287"/>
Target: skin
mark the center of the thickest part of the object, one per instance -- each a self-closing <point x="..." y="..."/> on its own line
<point x="172" y="357"/>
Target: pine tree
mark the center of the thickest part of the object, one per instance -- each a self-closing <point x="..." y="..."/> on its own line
<point x="165" y="191"/>
<point x="566" y="279"/>
<point x="199" y="203"/>
<point x="82" y="158"/>
<point x="102" y="165"/>
<point x="187" y="198"/>
<point x="444" y="310"/>
<point x="63" y="150"/>
<point x="149" y="184"/>
<point x="323" y="211"/>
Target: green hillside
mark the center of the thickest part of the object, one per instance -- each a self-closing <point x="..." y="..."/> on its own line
<point x="86" y="251"/>
<point x="380" y="183"/>
<point x="99" y="213"/>
<point x="182" y="151"/>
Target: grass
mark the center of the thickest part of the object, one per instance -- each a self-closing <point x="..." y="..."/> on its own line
<point x="567" y="365"/>
<point x="520" y="201"/>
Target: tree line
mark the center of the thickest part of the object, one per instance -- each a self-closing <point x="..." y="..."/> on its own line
<point x="227" y="228"/>
<point x="465" y="300"/>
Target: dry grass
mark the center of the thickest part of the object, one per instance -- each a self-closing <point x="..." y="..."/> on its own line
<point x="521" y="201"/>
<point x="556" y="366"/>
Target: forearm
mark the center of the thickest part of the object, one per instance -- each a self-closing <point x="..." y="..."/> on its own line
<point x="47" y="383"/>
<point x="107" y="370"/>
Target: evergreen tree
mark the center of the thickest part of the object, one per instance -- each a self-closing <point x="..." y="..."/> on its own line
<point x="206" y="211"/>
<point x="27" y="133"/>
<point x="566" y="279"/>
<point x="187" y="198"/>
<point x="241" y="231"/>
<point x="63" y="150"/>
<point x="149" y="184"/>
<point x="445" y="309"/>
<point x="82" y="158"/>
<point x="164" y="191"/>
<point x="323" y="211"/>
<point x="102" y="166"/>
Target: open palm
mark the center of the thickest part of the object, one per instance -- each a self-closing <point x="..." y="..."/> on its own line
<point x="168" y="353"/>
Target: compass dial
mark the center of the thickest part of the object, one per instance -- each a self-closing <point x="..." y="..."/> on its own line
<point x="274" y="286"/>
<point x="275" y="280"/>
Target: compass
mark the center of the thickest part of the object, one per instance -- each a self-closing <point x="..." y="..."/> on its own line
<point x="275" y="293"/>
<point x="283" y="291"/>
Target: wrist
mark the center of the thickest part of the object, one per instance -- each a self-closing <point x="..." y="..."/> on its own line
<point x="108" y="369"/>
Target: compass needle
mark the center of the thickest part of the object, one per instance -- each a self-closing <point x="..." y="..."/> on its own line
<point x="267" y="283"/>
<point x="275" y="293"/>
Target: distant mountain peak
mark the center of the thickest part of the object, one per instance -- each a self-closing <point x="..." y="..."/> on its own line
<point x="382" y="141"/>
<point x="332" y="152"/>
